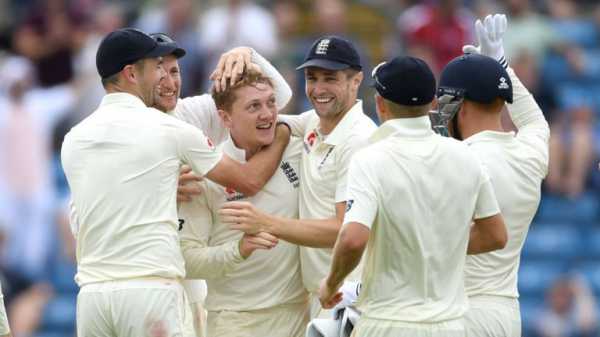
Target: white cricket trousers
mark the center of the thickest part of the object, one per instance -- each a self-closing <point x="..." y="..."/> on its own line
<point x="493" y="316"/>
<point x="152" y="307"/>
<point x="287" y="320"/>
<point x="368" y="327"/>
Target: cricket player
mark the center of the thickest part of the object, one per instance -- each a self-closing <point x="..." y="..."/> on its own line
<point x="517" y="164"/>
<point x="122" y="164"/>
<point x="254" y="282"/>
<point x="332" y="132"/>
<point x="4" y="328"/>
<point x="202" y="112"/>
<point x="412" y="196"/>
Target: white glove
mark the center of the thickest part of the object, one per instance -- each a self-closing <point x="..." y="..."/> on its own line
<point x="489" y="36"/>
<point x="350" y="291"/>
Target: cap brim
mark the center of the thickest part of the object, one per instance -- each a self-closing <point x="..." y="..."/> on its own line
<point x="325" y="64"/>
<point x="179" y="52"/>
<point x="161" y="50"/>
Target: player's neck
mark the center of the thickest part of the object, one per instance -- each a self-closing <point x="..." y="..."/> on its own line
<point x="117" y="88"/>
<point x="249" y="149"/>
<point x="327" y="124"/>
<point x="483" y="121"/>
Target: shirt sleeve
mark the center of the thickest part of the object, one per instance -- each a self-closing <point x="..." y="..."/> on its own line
<point x="201" y="112"/>
<point x="361" y="205"/>
<point x="298" y="123"/>
<point x="527" y="116"/>
<point x="201" y="260"/>
<point x="486" y="204"/>
<point x="343" y="158"/>
<point x="195" y="149"/>
<point x="283" y="92"/>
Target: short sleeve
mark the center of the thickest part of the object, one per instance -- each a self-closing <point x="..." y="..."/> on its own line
<point x="201" y="112"/>
<point x="486" y="204"/>
<point x="361" y="205"/>
<point x="343" y="158"/>
<point x="196" y="150"/>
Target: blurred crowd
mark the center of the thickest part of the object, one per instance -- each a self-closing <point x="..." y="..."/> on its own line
<point x="48" y="82"/>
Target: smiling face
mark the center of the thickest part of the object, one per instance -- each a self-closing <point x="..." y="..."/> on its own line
<point x="170" y="86"/>
<point x="150" y="73"/>
<point x="332" y="92"/>
<point x="252" y="116"/>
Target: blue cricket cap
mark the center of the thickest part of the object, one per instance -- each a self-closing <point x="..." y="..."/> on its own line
<point x="477" y="78"/>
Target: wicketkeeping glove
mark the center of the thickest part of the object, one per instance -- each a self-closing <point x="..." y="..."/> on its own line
<point x="489" y="36"/>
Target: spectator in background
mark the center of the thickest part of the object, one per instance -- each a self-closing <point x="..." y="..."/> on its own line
<point x="27" y="118"/>
<point x="107" y="18"/>
<point x="571" y="310"/>
<point x="47" y="37"/>
<point x="287" y="14"/>
<point x="178" y="19"/>
<point x="567" y="71"/>
<point x="436" y="31"/>
<point x="237" y="23"/>
<point x="528" y="31"/>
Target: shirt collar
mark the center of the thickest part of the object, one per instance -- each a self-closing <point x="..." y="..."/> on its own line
<point x="488" y="135"/>
<point x="123" y="99"/>
<point x="342" y="129"/>
<point x="233" y="151"/>
<point x="417" y="127"/>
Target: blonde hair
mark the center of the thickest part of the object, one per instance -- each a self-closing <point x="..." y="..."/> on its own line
<point x="225" y="98"/>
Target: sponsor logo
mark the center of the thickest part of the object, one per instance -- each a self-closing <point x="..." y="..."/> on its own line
<point x="233" y="195"/>
<point x="210" y="143"/>
<point x="325" y="157"/>
<point x="310" y="141"/>
<point x="291" y="175"/>
<point x="503" y="85"/>
<point x="348" y="208"/>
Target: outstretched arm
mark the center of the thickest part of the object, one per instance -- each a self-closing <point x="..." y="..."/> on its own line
<point x="320" y="233"/>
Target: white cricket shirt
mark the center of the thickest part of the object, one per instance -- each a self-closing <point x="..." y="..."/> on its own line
<point x="122" y="165"/>
<point x="517" y="164"/>
<point x="418" y="192"/>
<point x="324" y="169"/>
<point x="268" y="277"/>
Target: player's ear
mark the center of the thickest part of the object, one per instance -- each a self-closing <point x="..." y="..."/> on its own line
<point x="382" y="113"/>
<point x="129" y="74"/>
<point x="226" y="118"/>
<point x="357" y="80"/>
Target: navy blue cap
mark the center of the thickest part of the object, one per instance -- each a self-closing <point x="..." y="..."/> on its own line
<point x="164" y="39"/>
<point x="333" y="53"/>
<point x="476" y="77"/>
<point x="405" y="80"/>
<point x="126" y="46"/>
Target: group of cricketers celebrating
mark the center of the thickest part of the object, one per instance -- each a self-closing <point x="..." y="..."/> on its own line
<point x="213" y="216"/>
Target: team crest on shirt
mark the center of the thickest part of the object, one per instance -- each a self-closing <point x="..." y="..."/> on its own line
<point x="289" y="172"/>
<point x="233" y="195"/>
